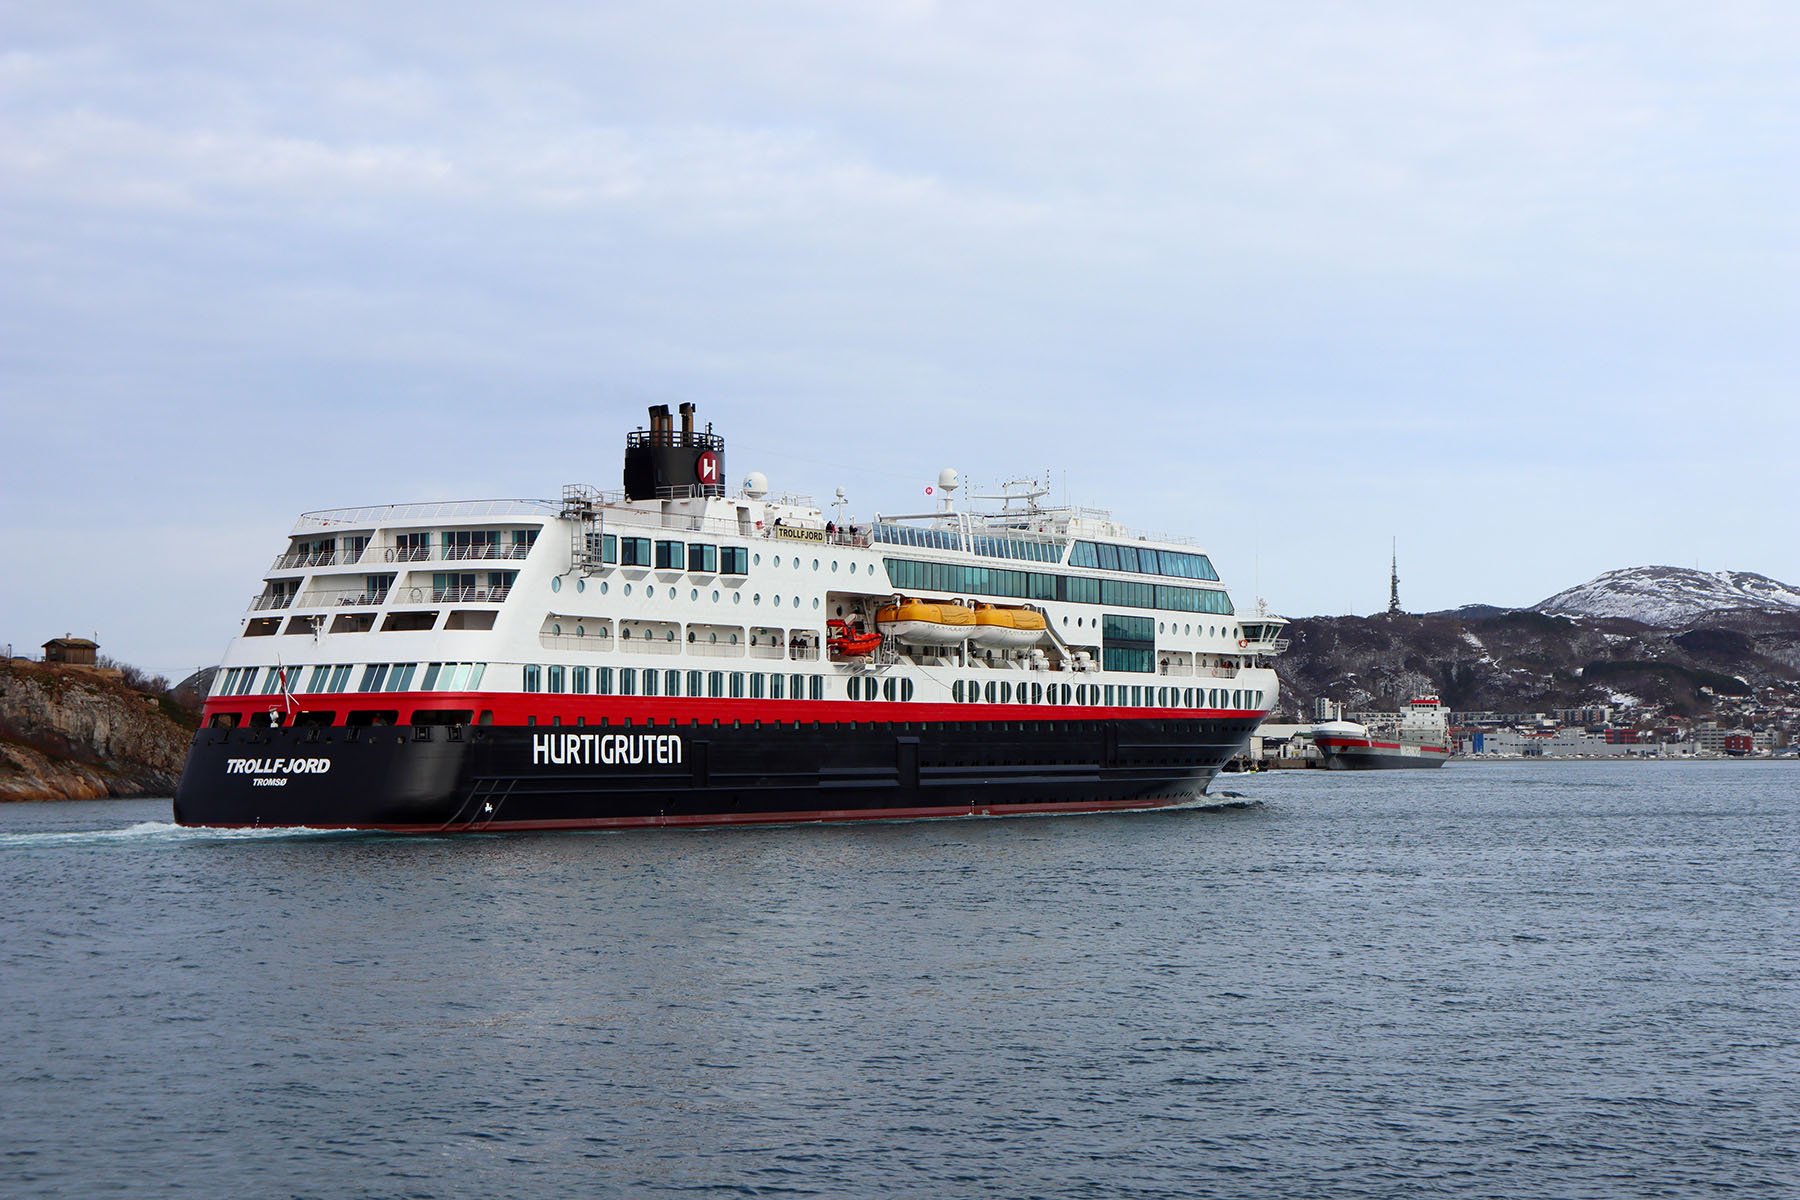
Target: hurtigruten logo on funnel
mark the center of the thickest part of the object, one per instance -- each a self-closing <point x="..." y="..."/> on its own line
<point x="605" y="749"/>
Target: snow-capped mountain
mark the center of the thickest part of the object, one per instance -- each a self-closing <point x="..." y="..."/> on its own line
<point x="1670" y="595"/>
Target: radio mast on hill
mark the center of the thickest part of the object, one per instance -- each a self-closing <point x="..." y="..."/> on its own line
<point x="1394" y="580"/>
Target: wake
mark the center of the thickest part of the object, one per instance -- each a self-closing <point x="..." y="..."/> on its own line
<point x="155" y="833"/>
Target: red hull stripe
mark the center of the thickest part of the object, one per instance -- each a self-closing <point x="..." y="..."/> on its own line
<point x="798" y="817"/>
<point x="1342" y="743"/>
<point x="512" y="708"/>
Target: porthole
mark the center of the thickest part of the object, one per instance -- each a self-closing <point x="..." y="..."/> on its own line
<point x="756" y="560"/>
<point x="715" y="595"/>
<point x="668" y="635"/>
<point x="815" y="564"/>
<point x="556" y="630"/>
<point x="693" y="593"/>
<point x="580" y="631"/>
<point x="713" y="638"/>
<point x="737" y="598"/>
<point x="581" y="585"/>
<point x="603" y="587"/>
<point x="815" y="601"/>
<point x="1159" y="627"/>
<point x="625" y="632"/>
<point x="556" y="583"/>
<point x="834" y="565"/>
<point x="628" y="589"/>
<point x="734" y="639"/>
<point x="777" y="601"/>
<point x="778" y="560"/>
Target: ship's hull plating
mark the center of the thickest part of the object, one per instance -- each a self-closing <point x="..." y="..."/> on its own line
<point x="440" y="779"/>
<point x="1367" y="755"/>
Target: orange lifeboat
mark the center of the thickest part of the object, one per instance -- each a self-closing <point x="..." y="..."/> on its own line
<point x="1010" y="628"/>
<point x="926" y="622"/>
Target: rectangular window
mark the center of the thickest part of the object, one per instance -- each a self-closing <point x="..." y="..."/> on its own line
<point x="319" y="677"/>
<point x="797" y="686"/>
<point x="432" y="671"/>
<point x="533" y="677"/>
<point x="693" y="684"/>
<point x="627" y="681"/>
<point x="650" y="682"/>
<point x="734" y="560"/>
<point x="340" y="678"/>
<point x="578" y="680"/>
<point x="1109" y="556"/>
<point x="1128" y="558"/>
<point x="669" y="556"/>
<point x="634" y="552"/>
<point x="715" y="684"/>
<point x="816" y="687"/>
<point x="373" y="677"/>
<point x="775" y="687"/>
<point x="603" y="681"/>
<point x="609" y="548"/>
<point x="737" y="685"/>
<point x="400" y="679"/>
<point x="554" y="680"/>
<point x="702" y="558"/>
<point x="756" y="685"/>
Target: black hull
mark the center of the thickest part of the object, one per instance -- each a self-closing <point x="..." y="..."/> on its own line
<point x="1378" y="760"/>
<point x="440" y="779"/>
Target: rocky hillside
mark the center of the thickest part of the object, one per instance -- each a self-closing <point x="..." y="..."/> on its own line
<point x="1672" y="596"/>
<point x="1536" y="662"/>
<point x="71" y="734"/>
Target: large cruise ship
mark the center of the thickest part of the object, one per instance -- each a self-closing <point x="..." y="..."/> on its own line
<point x="676" y="654"/>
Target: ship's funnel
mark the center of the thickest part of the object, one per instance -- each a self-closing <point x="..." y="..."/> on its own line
<point x="665" y="463"/>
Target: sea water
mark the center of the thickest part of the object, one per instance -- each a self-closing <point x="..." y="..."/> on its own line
<point x="1510" y="980"/>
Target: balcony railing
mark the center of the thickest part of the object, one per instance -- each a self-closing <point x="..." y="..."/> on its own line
<point x="568" y="641"/>
<point x="342" y="598"/>
<point x="262" y="603"/>
<point x="448" y="595"/>
<point x="448" y="510"/>
<point x="487" y="552"/>
<point x="298" y="559"/>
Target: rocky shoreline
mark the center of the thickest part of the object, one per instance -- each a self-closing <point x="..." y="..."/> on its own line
<point x="79" y="733"/>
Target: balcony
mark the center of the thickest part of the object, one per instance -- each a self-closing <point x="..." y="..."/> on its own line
<point x="343" y="598"/>
<point x="299" y="559"/>
<point x="262" y="603"/>
<point x="491" y="552"/>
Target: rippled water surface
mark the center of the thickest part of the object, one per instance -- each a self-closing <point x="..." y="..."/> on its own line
<point x="1525" y="980"/>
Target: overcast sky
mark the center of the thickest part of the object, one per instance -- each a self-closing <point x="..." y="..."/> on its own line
<point x="1515" y="284"/>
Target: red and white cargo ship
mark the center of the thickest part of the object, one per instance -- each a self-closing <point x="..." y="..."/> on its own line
<point x="677" y="654"/>
<point x="1418" y="738"/>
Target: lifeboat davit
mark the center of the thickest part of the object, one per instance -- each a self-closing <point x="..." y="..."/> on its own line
<point x="843" y="640"/>
<point x="1007" y="628"/>
<point x="926" y="622"/>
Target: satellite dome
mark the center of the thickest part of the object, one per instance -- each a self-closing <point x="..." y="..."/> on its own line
<point x="756" y="485"/>
<point x="949" y="480"/>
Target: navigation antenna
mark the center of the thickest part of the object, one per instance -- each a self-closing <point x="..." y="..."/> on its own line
<point x="1394" y="580"/>
<point x="1026" y="490"/>
<point x="581" y="506"/>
